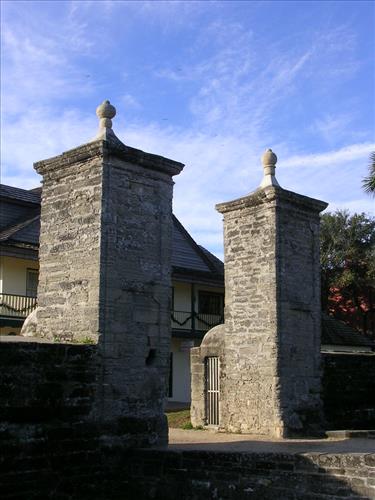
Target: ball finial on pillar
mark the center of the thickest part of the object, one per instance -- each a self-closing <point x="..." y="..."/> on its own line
<point x="269" y="160"/>
<point x="105" y="112"/>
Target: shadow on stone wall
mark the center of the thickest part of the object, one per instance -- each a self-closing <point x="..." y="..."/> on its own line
<point x="43" y="383"/>
<point x="195" y="475"/>
<point x="51" y="448"/>
<point x="348" y="390"/>
<point x="187" y="475"/>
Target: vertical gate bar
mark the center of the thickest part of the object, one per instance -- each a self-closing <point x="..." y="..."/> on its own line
<point x="212" y="373"/>
<point x="217" y="391"/>
<point x="217" y="395"/>
<point x="213" y="390"/>
<point x="209" y="394"/>
<point x="210" y="390"/>
<point x="207" y="402"/>
<point x="214" y="393"/>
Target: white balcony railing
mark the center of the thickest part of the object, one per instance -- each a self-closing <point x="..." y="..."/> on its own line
<point x="16" y="306"/>
<point x="187" y="320"/>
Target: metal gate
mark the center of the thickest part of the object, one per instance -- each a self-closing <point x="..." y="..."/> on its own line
<point x="212" y="390"/>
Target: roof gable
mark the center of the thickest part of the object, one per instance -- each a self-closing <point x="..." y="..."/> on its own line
<point x="22" y="225"/>
<point x="20" y="195"/>
<point x="335" y="332"/>
<point x="188" y="255"/>
<point x="26" y="231"/>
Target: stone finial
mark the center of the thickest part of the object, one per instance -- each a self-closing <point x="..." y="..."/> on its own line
<point x="269" y="160"/>
<point x="105" y="112"/>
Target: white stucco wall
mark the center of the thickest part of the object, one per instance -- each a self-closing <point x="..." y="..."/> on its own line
<point x="182" y="296"/>
<point x="181" y="372"/>
<point x="13" y="274"/>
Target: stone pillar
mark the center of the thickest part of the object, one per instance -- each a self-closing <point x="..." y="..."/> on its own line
<point x="270" y="377"/>
<point x="105" y="269"/>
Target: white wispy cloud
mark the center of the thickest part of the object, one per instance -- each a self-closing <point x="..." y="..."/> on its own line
<point x="237" y="88"/>
<point x="237" y="85"/>
<point x="331" y="127"/>
<point x="37" y="70"/>
<point x="218" y="167"/>
<point x="331" y="158"/>
<point x="129" y="101"/>
<point x="38" y="134"/>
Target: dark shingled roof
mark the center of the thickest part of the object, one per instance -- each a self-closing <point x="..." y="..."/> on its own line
<point x="216" y="263"/>
<point x="335" y="332"/>
<point x="186" y="254"/>
<point x="18" y="194"/>
<point x="190" y="259"/>
<point x="26" y="232"/>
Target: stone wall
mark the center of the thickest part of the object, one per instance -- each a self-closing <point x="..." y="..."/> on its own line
<point x="49" y="442"/>
<point x="299" y="312"/>
<point x="347" y="395"/>
<point x="269" y="347"/>
<point x="249" y="390"/>
<point x="135" y="275"/>
<point x="42" y="383"/>
<point x="46" y="396"/>
<point x="51" y="449"/>
<point x="196" y="475"/>
<point x="69" y="253"/>
<point x="105" y="271"/>
<point x="191" y="475"/>
<point x="348" y="390"/>
<point x="272" y="342"/>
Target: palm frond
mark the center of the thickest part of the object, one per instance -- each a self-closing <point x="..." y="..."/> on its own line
<point x="368" y="182"/>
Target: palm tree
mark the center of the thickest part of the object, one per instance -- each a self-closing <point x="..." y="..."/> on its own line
<point x="368" y="183"/>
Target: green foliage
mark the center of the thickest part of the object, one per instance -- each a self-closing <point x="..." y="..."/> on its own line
<point x="88" y="340"/>
<point x="179" y="419"/>
<point x="347" y="249"/>
<point x="61" y="339"/>
<point x="187" y="426"/>
<point x="368" y="182"/>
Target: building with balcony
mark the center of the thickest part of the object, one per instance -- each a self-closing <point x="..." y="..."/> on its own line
<point x="197" y="294"/>
<point x="197" y="304"/>
<point x="19" y="242"/>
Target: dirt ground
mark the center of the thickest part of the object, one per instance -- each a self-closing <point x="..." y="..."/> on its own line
<point x="218" y="441"/>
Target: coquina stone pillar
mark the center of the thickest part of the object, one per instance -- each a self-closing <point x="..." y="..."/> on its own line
<point x="269" y="346"/>
<point x="105" y="270"/>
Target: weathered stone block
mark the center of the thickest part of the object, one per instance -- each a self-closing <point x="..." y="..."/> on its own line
<point x="269" y="347"/>
<point x="105" y="264"/>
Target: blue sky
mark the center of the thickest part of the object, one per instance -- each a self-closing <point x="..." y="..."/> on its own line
<point x="210" y="84"/>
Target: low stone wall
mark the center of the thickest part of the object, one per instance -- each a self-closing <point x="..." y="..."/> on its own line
<point x="187" y="475"/>
<point x="46" y="395"/>
<point x="43" y="383"/>
<point x="348" y="391"/>
<point x="196" y="475"/>
<point x="51" y="445"/>
<point x="51" y="433"/>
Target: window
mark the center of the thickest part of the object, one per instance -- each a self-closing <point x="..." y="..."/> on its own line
<point x="211" y="303"/>
<point x="31" y="282"/>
